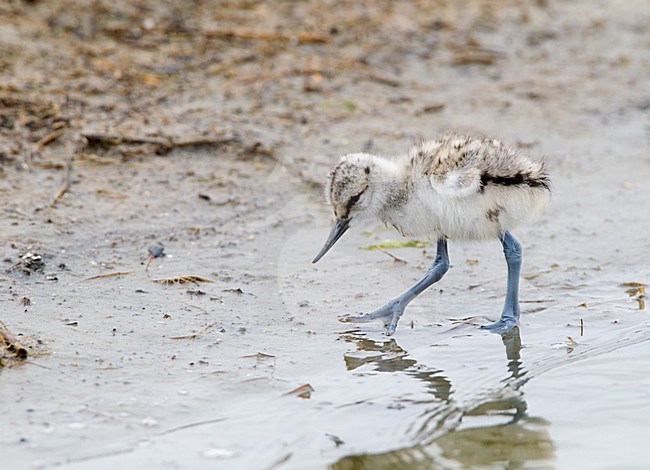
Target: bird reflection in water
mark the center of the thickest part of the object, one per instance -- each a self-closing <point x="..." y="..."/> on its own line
<point x="493" y="429"/>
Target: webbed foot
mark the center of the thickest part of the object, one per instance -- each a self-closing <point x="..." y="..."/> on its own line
<point x="501" y="326"/>
<point x="389" y="314"/>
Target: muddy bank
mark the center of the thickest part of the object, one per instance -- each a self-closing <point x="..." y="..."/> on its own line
<point x="134" y="372"/>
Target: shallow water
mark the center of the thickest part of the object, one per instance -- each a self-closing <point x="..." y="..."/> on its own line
<point x="112" y="387"/>
<point x="487" y="419"/>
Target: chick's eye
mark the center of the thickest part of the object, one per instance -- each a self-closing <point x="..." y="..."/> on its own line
<point x="355" y="199"/>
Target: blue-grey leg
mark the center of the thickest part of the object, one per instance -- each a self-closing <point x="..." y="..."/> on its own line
<point x="510" y="314"/>
<point x="393" y="310"/>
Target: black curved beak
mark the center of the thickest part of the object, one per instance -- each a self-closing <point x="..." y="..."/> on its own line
<point x="339" y="228"/>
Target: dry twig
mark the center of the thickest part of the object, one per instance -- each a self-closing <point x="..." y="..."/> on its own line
<point x="165" y="142"/>
<point x="101" y="138"/>
<point x="111" y="274"/>
<point x="383" y="80"/>
<point x="193" y="425"/>
<point x="397" y="259"/>
<point x="194" y="335"/>
<point x="66" y="183"/>
<point x="48" y="139"/>
<point x="253" y="34"/>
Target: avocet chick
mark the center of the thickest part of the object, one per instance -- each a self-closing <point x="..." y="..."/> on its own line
<point x="455" y="187"/>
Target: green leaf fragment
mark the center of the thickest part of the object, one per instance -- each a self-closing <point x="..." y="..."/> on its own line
<point x="349" y="105"/>
<point x="396" y="244"/>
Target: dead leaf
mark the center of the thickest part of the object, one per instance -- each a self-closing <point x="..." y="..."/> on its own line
<point x="149" y="79"/>
<point x="303" y="391"/>
<point x="182" y="279"/>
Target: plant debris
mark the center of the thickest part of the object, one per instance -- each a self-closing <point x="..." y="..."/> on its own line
<point x="65" y="185"/>
<point x="182" y="279"/>
<point x="431" y="108"/>
<point x="111" y="274"/>
<point x="11" y="350"/>
<point x="302" y="391"/>
<point x="395" y="258"/>
<point x="396" y="244"/>
<point x="236" y="290"/>
<point x="161" y="145"/>
<point x="260" y="356"/>
<point x="194" y="335"/>
<point x="256" y="34"/>
<point x="195" y="292"/>
<point x="636" y="291"/>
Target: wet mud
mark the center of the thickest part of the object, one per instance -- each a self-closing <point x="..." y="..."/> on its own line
<point x="160" y="208"/>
